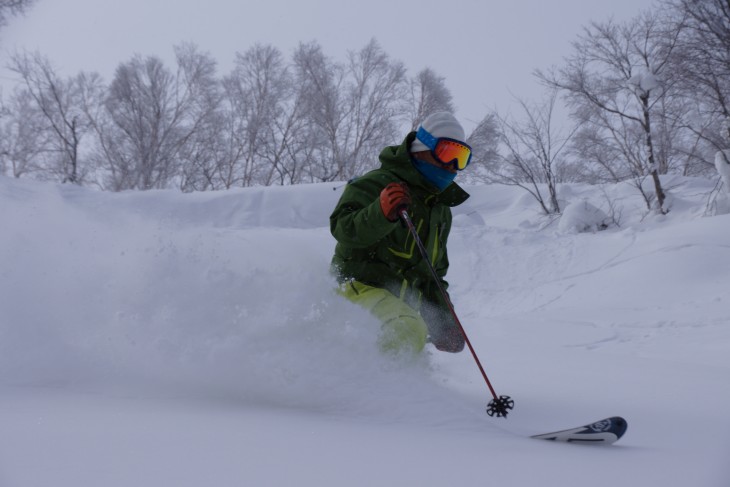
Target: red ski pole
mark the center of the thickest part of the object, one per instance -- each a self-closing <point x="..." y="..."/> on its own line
<point x="499" y="405"/>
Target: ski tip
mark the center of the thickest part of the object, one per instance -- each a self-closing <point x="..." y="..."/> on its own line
<point x="620" y="426"/>
<point x="604" y="432"/>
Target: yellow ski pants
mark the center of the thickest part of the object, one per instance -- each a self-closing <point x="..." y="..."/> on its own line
<point x="402" y="330"/>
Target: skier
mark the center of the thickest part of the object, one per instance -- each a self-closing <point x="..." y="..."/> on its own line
<point x="376" y="260"/>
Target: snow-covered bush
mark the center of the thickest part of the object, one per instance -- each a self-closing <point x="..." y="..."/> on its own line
<point x="581" y="216"/>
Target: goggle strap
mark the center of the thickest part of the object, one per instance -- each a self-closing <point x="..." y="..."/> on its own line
<point x="428" y="140"/>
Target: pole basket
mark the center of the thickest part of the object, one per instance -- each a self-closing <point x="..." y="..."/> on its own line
<point x="500" y="406"/>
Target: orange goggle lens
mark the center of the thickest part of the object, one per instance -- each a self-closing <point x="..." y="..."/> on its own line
<point x="449" y="151"/>
<point x="446" y="150"/>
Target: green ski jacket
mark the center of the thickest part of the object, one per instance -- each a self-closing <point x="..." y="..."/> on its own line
<point x="381" y="253"/>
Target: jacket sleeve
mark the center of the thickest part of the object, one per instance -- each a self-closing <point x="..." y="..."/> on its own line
<point x="358" y="220"/>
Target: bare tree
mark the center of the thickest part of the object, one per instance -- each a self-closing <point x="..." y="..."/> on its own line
<point x="320" y="87"/>
<point x="13" y="7"/>
<point x="702" y="68"/>
<point x="24" y="138"/>
<point x="428" y="94"/>
<point x="266" y="111"/>
<point x="352" y="110"/>
<point x="615" y="82"/>
<point x="535" y="153"/>
<point x="270" y="121"/>
<point x="58" y="100"/>
<point x="375" y="106"/>
<point x="484" y="141"/>
<point x="201" y="157"/>
<point x="284" y="147"/>
<point x="198" y="91"/>
<point x="154" y="113"/>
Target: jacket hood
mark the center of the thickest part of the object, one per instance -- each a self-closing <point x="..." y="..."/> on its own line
<point x="397" y="160"/>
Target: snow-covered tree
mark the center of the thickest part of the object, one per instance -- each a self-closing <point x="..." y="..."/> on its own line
<point x="153" y="113"/>
<point x="428" y="94"/>
<point x="375" y="101"/>
<point x="352" y="109"/>
<point x="702" y="69"/>
<point x="616" y="82"/>
<point x="534" y="154"/>
<point x="24" y="139"/>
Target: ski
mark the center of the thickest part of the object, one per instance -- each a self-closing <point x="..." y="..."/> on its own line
<point x="604" y="432"/>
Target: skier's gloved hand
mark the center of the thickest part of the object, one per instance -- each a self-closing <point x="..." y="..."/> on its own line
<point x="394" y="198"/>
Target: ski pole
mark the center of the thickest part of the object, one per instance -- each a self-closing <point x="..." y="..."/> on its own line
<point x="499" y="405"/>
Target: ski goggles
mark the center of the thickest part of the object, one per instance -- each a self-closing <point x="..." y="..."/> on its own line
<point x="445" y="150"/>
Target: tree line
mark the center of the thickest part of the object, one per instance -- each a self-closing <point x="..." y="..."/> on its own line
<point x="271" y="120"/>
<point x="646" y="97"/>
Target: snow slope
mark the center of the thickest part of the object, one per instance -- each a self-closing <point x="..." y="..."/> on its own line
<point x="159" y="338"/>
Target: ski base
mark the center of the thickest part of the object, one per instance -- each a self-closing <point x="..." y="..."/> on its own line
<point x="604" y="432"/>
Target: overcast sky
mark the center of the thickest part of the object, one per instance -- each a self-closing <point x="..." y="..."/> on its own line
<point x="486" y="49"/>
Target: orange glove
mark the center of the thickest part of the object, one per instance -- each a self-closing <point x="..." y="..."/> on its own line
<point x="394" y="198"/>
